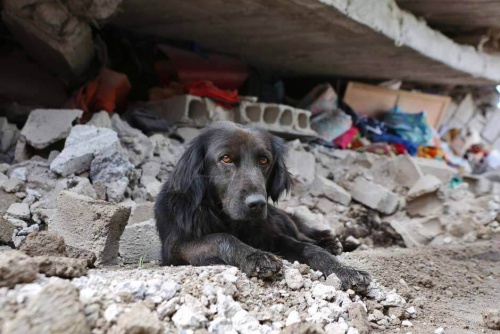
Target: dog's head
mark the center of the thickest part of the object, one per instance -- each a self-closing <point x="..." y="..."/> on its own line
<point x="235" y="167"/>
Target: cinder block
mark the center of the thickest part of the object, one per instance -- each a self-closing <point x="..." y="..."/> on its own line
<point x="275" y="118"/>
<point x="190" y="110"/>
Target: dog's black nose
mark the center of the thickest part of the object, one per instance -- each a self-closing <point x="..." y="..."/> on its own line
<point x="255" y="202"/>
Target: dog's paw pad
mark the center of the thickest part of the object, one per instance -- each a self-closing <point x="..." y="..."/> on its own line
<point x="262" y="264"/>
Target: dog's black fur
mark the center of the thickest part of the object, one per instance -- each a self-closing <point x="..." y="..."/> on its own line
<point x="213" y="209"/>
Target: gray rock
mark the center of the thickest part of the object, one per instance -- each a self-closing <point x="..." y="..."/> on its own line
<point x="115" y="191"/>
<point x="374" y="196"/>
<point x="425" y="205"/>
<point x="4" y="168"/>
<point x="110" y="165"/>
<point x="15" y="268"/>
<point x="151" y="168"/>
<point x="138" y="145"/>
<point x="21" y="173"/>
<point x="303" y="328"/>
<point x="9" y="135"/>
<point x="47" y="126"/>
<point x="141" y="212"/>
<point x="92" y="225"/>
<point x="407" y="171"/>
<point x="294" y="279"/>
<point x="44" y="243"/>
<point x="82" y="145"/>
<point x="140" y="240"/>
<point x="393" y="299"/>
<point x="358" y="318"/>
<point x="188" y="134"/>
<point x="152" y="185"/>
<point x="19" y="211"/>
<point x="100" y="119"/>
<point x="56" y="308"/>
<point x="3" y="178"/>
<point x="82" y="186"/>
<point x="435" y="167"/>
<point x="78" y="253"/>
<point x="302" y="166"/>
<point x="52" y="156"/>
<point x="491" y="318"/>
<point x="334" y="281"/>
<point x="13" y="185"/>
<point x="63" y="267"/>
<point x="425" y="185"/>
<point x="6" y="200"/>
<point x="322" y="291"/>
<point x="28" y="230"/>
<point x="6" y="231"/>
<point x="139" y="319"/>
<point x="329" y="189"/>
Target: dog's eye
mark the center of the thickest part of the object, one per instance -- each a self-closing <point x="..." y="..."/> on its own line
<point x="226" y="159"/>
<point x="263" y="161"/>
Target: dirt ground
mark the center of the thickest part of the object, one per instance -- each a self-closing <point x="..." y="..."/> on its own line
<point x="449" y="286"/>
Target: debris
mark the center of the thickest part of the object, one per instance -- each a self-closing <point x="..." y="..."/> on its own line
<point x="44" y="243"/>
<point x="91" y="225"/>
<point x="425" y="185"/>
<point x="138" y="146"/>
<point x="56" y="308"/>
<point x="293" y="278"/>
<point x="19" y="211"/>
<point x="6" y="231"/>
<point x="47" y="126"/>
<point x="329" y="189"/>
<point x="82" y="145"/>
<point x="140" y="242"/>
<point x="374" y="196"/>
<point x="109" y="166"/>
<point x="16" y="267"/>
<point x="139" y="319"/>
<point x="301" y="166"/>
<point x="63" y="267"/>
<point x="13" y="185"/>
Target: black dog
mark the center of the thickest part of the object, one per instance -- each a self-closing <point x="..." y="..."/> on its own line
<point x="214" y="210"/>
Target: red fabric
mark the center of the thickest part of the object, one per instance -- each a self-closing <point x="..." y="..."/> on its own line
<point x="225" y="98"/>
<point x="399" y="148"/>
<point x="345" y="139"/>
<point x="106" y="92"/>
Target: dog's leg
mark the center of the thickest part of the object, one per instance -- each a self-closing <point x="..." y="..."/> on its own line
<point x="320" y="259"/>
<point x="226" y="249"/>
<point x="323" y="238"/>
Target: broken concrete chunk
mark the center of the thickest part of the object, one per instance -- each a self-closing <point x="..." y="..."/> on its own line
<point x="6" y="231"/>
<point x="92" y="225"/>
<point x="140" y="241"/>
<point x="425" y="205"/>
<point x="78" y="253"/>
<point x="188" y="134"/>
<point x="138" y="145"/>
<point x="82" y="145"/>
<point x="425" y="185"/>
<point x="19" y="211"/>
<point x="13" y="185"/>
<point x="82" y="186"/>
<point x="407" y="171"/>
<point x="63" y="267"/>
<point x="110" y="165"/>
<point x="301" y="165"/>
<point x="435" y="167"/>
<point x="374" y="196"/>
<point x="139" y="320"/>
<point x="9" y="135"/>
<point x="100" y="119"/>
<point x="57" y="309"/>
<point x="115" y="191"/>
<point x="329" y="189"/>
<point x="44" y="243"/>
<point x="47" y="126"/>
<point x="16" y="267"/>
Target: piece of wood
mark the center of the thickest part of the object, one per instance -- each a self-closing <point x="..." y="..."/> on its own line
<point x="372" y="100"/>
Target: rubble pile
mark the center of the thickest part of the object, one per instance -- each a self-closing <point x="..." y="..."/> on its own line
<point x="82" y="196"/>
<point x="218" y="299"/>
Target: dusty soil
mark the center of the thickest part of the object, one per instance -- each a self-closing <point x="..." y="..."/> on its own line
<point x="448" y="285"/>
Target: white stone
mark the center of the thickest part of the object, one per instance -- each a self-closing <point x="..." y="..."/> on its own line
<point x="393" y="299"/>
<point x="374" y="196"/>
<point x="293" y="317"/>
<point x="19" y="211"/>
<point x="186" y="318"/>
<point x="294" y="279"/>
<point x="322" y="291"/>
<point x="327" y="188"/>
<point x="425" y="185"/>
<point x="406" y="323"/>
<point x="439" y="330"/>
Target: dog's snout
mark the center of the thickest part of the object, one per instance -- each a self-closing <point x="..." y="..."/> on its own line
<point x="256" y="202"/>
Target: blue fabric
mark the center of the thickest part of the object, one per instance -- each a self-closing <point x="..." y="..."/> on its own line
<point x="410" y="127"/>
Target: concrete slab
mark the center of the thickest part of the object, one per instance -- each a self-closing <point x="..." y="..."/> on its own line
<point x="356" y="38"/>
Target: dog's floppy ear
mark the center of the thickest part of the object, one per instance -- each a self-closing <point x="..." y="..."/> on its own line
<point x="188" y="178"/>
<point x="280" y="180"/>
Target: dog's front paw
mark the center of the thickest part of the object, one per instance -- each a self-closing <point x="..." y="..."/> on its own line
<point x="261" y="264"/>
<point x="332" y="245"/>
<point x="351" y="278"/>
